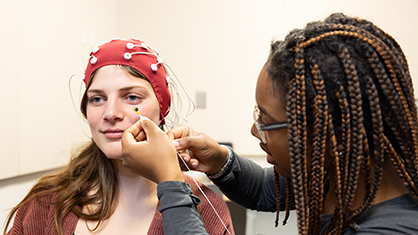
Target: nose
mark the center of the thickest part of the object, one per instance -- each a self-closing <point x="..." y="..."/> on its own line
<point x="254" y="132"/>
<point x="114" y="111"/>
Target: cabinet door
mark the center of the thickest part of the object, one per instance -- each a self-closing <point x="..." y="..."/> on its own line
<point x="41" y="48"/>
<point x="9" y="92"/>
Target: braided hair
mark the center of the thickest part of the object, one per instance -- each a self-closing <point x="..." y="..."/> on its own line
<point x="346" y="83"/>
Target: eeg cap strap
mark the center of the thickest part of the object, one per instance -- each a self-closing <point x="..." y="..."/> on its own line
<point x="138" y="55"/>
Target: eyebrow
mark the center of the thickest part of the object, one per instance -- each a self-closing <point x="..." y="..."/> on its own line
<point x="262" y="110"/>
<point x="122" y="89"/>
<point x="131" y="87"/>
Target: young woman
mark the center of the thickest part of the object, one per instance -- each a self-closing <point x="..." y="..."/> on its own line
<point x="95" y="193"/>
<point x="337" y="118"/>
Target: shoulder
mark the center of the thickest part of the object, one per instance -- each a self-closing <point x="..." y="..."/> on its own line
<point x="33" y="214"/>
<point x="37" y="215"/>
<point x="37" y="205"/>
<point x="195" y="185"/>
<point x="395" y="216"/>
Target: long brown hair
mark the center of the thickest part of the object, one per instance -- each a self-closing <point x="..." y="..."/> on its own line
<point x="90" y="178"/>
<point x="347" y="83"/>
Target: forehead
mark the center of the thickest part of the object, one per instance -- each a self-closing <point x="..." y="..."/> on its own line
<point x="113" y="76"/>
<point x="267" y="98"/>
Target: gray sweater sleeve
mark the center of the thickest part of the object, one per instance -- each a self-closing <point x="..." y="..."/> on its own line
<point x="251" y="186"/>
<point x="178" y="209"/>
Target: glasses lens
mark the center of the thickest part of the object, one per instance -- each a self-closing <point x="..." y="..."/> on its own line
<point x="256" y="115"/>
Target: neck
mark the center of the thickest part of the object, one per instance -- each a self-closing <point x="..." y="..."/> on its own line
<point x="135" y="207"/>
<point x="133" y="187"/>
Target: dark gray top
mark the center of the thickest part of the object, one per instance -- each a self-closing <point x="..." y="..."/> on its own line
<point x="253" y="187"/>
<point x="396" y="216"/>
<point x="178" y="209"/>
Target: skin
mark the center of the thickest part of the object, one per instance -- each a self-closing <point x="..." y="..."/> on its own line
<point x="209" y="157"/>
<point x="111" y="98"/>
<point x="272" y="110"/>
<point x="163" y="165"/>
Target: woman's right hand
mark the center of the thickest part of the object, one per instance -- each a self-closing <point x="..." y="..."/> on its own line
<point x="148" y="151"/>
<point x="199" y="151"/>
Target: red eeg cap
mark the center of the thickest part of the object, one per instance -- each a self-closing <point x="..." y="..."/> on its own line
<point x="138" y="55"/>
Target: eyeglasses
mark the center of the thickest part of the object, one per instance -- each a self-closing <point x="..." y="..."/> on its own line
<point x="262" y="128"/>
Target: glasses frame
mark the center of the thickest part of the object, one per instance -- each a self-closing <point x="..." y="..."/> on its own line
<point x="268" y="127"/>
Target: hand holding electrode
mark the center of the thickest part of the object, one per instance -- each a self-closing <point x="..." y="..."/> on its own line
<point x="148" y="151"/>
<point x="199" y="151"/>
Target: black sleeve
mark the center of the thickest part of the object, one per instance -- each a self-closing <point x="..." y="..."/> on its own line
<point x="178" y="209"/>
<point x="251" y="186"/>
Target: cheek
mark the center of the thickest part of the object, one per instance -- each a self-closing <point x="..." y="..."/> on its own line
<point x="279" y="148"/>
<point x="280" y="152"/>
<point x="278" y="141"/>
<point x="150" y="110"/>
<point x="92" y="117"/>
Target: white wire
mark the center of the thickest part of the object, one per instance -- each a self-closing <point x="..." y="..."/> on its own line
<point x="80" y="117"/>
<point x="213" y="208"/>
<point x="176" y="117"/>
<point x="176" y="94"/>
<point x="184" y="90"/>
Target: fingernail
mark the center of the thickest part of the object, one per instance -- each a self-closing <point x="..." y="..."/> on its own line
<point x="194" y="164"/>
<point x="175" y="143"/>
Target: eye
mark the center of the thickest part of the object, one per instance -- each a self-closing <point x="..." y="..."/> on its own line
<point x="260" y="119"/>
<point x="133" y="98"/>
<point x="96" y="100"/>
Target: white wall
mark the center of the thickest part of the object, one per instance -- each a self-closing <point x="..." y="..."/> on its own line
<point x="218" y="47"/>
<point x="43" y="43"/>
<point x="215" y="46"/>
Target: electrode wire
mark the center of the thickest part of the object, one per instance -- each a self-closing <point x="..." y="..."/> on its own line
<point x="213" y="208"/>
<point x="80" y="117"/>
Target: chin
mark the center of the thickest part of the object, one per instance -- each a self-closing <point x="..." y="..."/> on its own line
<point x="286" y="173"/>
<point x="114" y="155"/>
<point x="112" y="151"/>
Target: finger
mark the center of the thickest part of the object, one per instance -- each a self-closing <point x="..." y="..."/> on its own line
<point x="189" y="143"/>
<point x="150" y="128"/>
<point x="129" y="135"/>
<point x="189" y="158"/>
<point x="191" y="164"/>
<point x="182" y="144"/>
<point x="178" y="132"/>
<point x="141" y="136"/>
<point x="184" y="155"/>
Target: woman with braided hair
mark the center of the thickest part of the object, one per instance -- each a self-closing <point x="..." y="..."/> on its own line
<point x="336" y="115"/>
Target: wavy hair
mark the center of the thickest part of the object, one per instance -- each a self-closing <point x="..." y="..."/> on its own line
<point x="90" y="178"/>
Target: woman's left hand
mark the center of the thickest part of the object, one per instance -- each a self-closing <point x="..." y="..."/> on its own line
<point x="152" y="156"/>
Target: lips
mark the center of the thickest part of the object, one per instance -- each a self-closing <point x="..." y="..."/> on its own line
<point x="113" y="134"/>
<point x="269" y="158"/>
